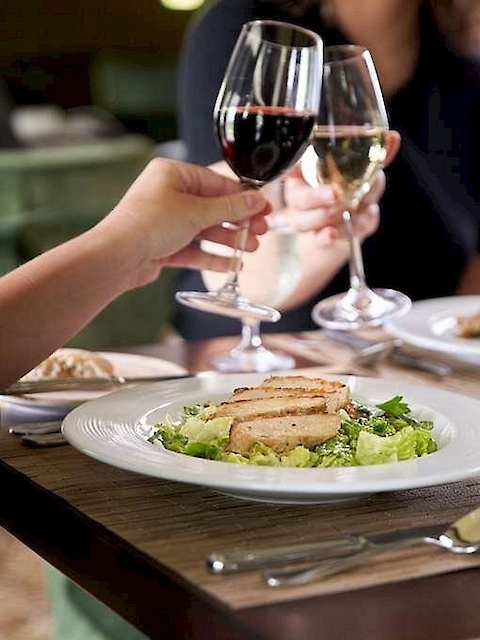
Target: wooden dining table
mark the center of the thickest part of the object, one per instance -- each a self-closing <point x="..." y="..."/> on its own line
<point x="139" y="543"/>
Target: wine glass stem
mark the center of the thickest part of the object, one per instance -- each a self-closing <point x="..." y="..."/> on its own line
<point x="231" y="283"/>
<point x="357" y="270"/>
<point x="251" y="338"/>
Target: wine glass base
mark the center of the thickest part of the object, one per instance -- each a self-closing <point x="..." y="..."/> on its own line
<point x="252" y="360"/>
<point x="227" y="305"/>
<point x="336" y="312"/>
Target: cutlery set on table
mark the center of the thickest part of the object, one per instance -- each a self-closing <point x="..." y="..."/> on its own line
<point x="368" y="352"/>
<point x="303" y="563"/>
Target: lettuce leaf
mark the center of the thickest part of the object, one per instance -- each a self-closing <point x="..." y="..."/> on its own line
<point x="373" y="449"/>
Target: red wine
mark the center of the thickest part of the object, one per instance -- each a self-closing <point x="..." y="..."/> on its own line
<point x="259" y="143"/>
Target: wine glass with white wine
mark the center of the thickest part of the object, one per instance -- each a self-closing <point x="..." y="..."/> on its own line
<point x="350" y="139"/>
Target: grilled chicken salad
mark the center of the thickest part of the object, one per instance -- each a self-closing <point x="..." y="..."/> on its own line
<point x="296" y="421"/>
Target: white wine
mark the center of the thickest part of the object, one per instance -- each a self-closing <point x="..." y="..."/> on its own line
<point x="349" y="156"/>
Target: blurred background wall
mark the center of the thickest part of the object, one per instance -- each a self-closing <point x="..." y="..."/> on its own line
<point x="117" y="54"/>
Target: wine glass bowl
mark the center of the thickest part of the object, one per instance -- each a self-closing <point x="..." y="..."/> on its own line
<point x="261" y="142"/>
<point x="350" y="140"/>
<point x="263" y="117"/>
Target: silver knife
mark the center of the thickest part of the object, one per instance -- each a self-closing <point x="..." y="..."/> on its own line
<point x="23" y="387"/>
<point x="355" y="341"/>
<point x="236" y="560"/>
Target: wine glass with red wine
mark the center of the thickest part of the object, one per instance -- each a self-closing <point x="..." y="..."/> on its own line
<point x="350" y="140"/>
<point x="263" y="118"/>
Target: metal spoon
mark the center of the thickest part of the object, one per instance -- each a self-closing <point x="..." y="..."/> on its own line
<point x="462" y="536"/>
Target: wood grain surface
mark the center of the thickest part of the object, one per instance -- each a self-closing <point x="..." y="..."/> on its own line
<point x="176" y="525"/>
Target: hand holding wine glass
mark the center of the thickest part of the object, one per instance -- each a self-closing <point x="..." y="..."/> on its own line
<point x="350" y="139"/>
<point x="264" y="115"/>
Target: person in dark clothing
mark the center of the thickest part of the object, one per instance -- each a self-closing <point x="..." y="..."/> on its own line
<point x="428" y="230"/>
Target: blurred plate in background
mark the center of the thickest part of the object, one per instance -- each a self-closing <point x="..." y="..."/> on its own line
<point x="430" y="324"/>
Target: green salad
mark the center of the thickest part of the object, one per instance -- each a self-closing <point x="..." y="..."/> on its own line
<point x="387" y="432"/>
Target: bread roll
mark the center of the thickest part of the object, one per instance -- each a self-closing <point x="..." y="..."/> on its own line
<point x="72" y="363"/>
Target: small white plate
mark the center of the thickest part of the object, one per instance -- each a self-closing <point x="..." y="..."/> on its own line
<point x="430" y="325"/>
<point x="125" y="364"/>
<point x="114" y="429"/>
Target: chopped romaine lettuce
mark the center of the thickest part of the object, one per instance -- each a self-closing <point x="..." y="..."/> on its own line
<point x="262" y="455"/>
<point x="299" y="457"/>
<point x="197" y="430"/>
<point x="373" y="449"/>
<point x="338" y="451"/>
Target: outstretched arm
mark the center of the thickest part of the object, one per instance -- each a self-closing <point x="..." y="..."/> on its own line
<point x="158" y="222"/>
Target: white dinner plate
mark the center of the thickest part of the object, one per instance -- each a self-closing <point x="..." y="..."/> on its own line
<point x="124" y="364"/>
<point x="430" y="324"/>
<point x="114" y="429"/>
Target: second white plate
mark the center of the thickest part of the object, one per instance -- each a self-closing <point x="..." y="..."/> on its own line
<point x="430" y="325"/>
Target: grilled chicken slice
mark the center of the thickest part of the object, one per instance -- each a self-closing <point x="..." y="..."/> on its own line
<point x="259" y="393"/>
<point x="285" y="432"/>
<point x="336" y="395"/>
<point x="302" y="382"/>
<point x="270" y="407"/>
